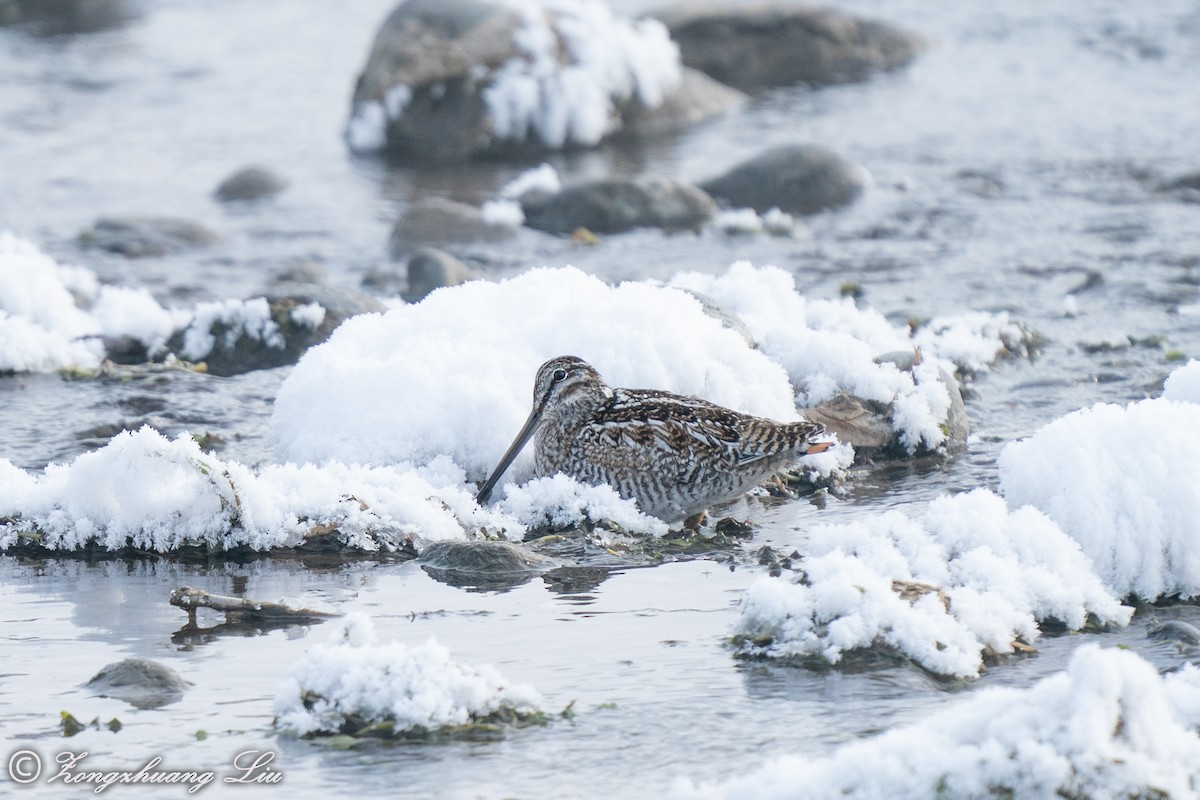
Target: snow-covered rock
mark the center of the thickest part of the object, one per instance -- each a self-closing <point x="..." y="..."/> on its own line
<point x="965" y="578"/>
<point x="352" y="681"/>
<point x="1109" y="726"/>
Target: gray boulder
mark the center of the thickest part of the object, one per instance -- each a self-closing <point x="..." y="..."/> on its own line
<point x="430" y="269"/>
<point x="437" y="222"/>
<point x="697" y="98"/>
<point x="769" y="44"/>
<point x="484" y="565"/>
<point x="140" y="237"/>
<point x="621" y="204"/>
<point x="140" y="682"/>
<point x="57" y="17"/>
<point x="251" y="183"/>
<point x="799" y="179"/>
<point x="424" y="92"/>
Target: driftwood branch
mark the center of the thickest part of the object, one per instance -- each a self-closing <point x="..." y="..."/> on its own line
<point x="242" y="609"/>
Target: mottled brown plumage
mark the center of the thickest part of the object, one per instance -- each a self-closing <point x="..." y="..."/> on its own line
<point x="675" y="455"/>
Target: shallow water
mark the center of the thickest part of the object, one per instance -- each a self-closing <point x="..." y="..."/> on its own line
<point x="1014" y="165"/>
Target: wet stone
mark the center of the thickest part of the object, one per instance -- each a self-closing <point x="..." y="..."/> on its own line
<point x="58" y="17"/>
<point x="484" y="557"/>
<point x="251" y="183"/>
<point x="141" y="237"/>
<point x="1176" y="630"/>
<point x="430" y="268"/>
<point x="774" y="44"/>
<point x="798" y="179"/>
<point x="441" y="223"/>
<point x="140" y="682"/>
<point x="621" y="204"/>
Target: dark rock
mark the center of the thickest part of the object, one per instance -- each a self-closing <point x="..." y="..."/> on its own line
<point x="756" y="46"/>
<point x="140" y="682"/>
<point x="1176" y="630"/>
<point x="236" y="350"/>
<point x="483" y="565"/>
<point x="621" y="204"/>
<point x="484" y="556"/>
<point x="251" y="183"/>
<point x="432" y="62"/>
<point x="138" y="237"/>
<point x="56" y="17"/>
<point x="799" y="179"/>
<point x="430" y="269"/>
<point x="437" y="222"/>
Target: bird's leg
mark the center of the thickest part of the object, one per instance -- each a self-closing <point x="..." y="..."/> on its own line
<point x="694" y="522"/>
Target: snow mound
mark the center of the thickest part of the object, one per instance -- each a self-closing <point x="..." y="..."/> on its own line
<point x="1124" y="482"/>
<point x="829" y="346"/>
<point x="419" y="689"/>
<point x="965" y="578"/>
<point x="453" y="374"/>
<point x="145" y="491"/>
<point x="1109" y="726"/>
<point x="1184" y="383"/>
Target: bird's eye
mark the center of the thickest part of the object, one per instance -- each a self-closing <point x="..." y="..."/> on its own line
<point x="560" y="374"/>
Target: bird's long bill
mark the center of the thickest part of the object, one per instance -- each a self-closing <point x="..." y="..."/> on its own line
<point x="485" y="491"/>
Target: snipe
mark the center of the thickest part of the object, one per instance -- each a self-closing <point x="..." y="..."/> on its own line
<point x="675" y="455"/>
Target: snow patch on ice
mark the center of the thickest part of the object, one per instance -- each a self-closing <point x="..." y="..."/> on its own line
<point x="1109" y="726"/>
<point x="976" y="577"/>
<point x="419" y="688"/>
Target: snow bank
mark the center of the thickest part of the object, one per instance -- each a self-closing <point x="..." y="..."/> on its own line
<point x="1124" y="482"/>
<point x="828" y="346"/>
<point x="1109" y="726"/>
<point x="145" y="491"/>
<point x="453" y="374"/>
<point x="973" y="577"/>
<point x="419" y="689"/>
